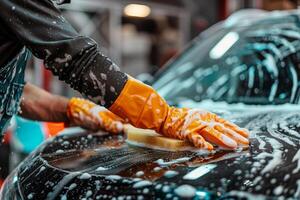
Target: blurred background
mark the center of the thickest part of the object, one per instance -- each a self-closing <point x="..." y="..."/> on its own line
<point x="140" y="36"/>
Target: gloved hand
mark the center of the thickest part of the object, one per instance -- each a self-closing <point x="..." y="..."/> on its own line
<point x="88" y="115"/>
<point x="142" y="106"/>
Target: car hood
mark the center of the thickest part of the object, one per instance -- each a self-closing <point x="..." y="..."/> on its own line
<point x="101" y="165"/>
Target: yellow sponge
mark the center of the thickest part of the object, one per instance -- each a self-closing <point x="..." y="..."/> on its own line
<point x="153" y="140"/>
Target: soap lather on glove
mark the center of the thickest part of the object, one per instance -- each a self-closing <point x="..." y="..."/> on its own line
<point x="89" y="115"/>
<point x="144" y="108"/>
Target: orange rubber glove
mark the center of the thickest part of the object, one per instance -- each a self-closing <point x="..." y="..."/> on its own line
<point x="142" y="106"/>
<point x="88" y="115"/>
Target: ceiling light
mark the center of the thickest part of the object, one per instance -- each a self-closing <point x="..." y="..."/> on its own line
<point x="137" y="10"/>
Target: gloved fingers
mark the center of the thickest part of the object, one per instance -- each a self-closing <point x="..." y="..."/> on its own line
<point x="110" y="122"/>
<point x="88" y="115"/>
<point x="216" y="137"/>
<point x="85" y="121"/>
<point x="199" y="142"/>
<point x="118" y="127"/>
<point x="232" y="126"/>
<point x="113" y="126"/>
<point x="241" y="140"/>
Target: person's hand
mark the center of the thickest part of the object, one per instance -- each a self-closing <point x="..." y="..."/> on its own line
<point x="86" y="114"/>
<point x="203" y="129"/>
<point x="142" y="106"/>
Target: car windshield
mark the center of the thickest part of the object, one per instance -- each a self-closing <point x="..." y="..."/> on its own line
<point x="253" y="64"/>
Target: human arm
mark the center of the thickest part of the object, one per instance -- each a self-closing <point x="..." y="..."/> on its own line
<point x="75" y="59"/>
<point x="38" y="104"/>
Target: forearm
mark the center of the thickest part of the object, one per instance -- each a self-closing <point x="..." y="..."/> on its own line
<point x="91" y="73"/>
<point x="38" y="104"/>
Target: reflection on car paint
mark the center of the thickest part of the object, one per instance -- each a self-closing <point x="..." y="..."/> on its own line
<point x="198" y="172"/>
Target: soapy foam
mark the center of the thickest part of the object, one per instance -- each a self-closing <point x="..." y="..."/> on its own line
<point x="142" y="184"/>
<point x="185" y="191"/>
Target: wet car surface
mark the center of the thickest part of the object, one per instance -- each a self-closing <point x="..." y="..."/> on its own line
<point x="101" y="165"/>
<point x="253" y="84"/>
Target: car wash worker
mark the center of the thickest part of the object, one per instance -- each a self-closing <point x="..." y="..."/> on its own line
<point x="37" y="26"/>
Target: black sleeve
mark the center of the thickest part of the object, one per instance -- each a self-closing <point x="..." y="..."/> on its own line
<point x="75" y="59"/>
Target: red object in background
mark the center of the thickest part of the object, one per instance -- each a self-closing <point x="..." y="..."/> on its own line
<point x="167" y="56"/>
<point x="53" y="129"/>
<point x="47" y="78"/>
<point x="223" y="14"/>
<point x="1" y="183"/>
<point x="7" y="137"/>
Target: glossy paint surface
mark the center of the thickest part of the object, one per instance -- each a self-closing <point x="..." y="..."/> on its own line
<point x="105" y="166"/>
